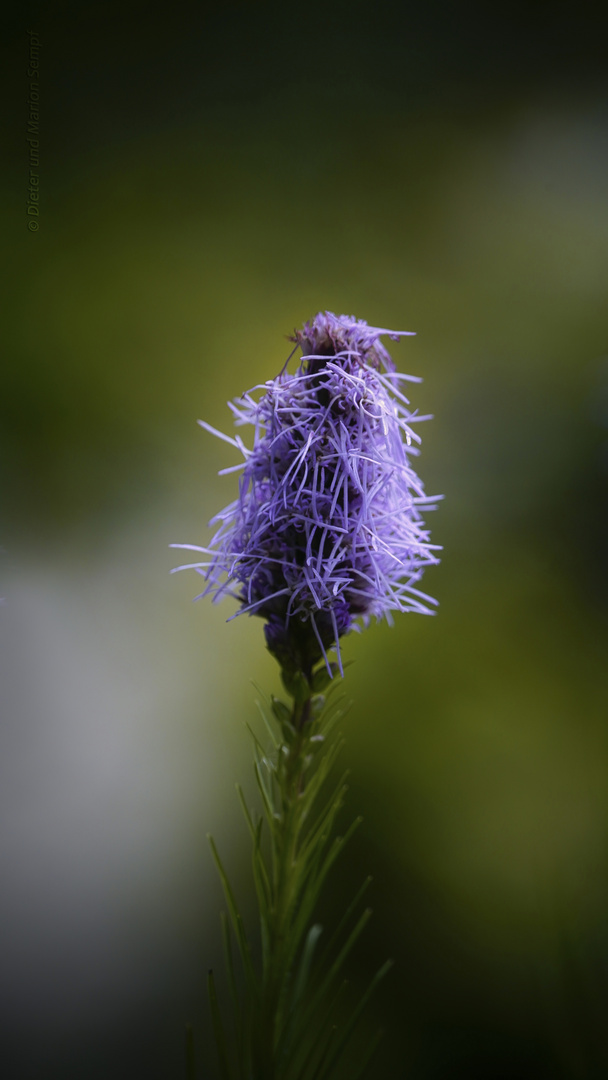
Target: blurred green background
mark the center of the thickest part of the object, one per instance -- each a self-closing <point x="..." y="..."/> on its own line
<point x="211" y="176"/>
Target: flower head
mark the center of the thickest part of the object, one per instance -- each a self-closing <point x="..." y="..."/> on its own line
<point x="327" y="527"/>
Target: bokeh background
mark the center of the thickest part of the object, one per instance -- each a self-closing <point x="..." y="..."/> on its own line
<point x="211" y="176"/>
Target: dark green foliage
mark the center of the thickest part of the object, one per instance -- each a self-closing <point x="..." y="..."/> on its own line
<point x="285" y="1023"/>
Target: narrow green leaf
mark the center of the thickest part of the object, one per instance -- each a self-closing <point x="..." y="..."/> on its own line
<point x="245" y="951"/>
<point x="312" y="1044"/>
<point x="320" y="680"/>
<point x="296" y="684"/>
<point x="338" y="846"/>
<point x="262" y="888"/>
<point x="355" y="933"/>
<point x="345" y="1033"/>
<point x="317" y="704"/>
<point x="306" y="959"/>
<point x="267" y="725"/>
<point x="335" y="713"/>
<point x="323" y="767"/>
<point x="259" y="860"/>
<point x="299" y="986"/>
<point x="345" y="920"/>
<point x="325" y="818"/>
<point x="266" y="797"/>
<point x="306" y="872"/>
<point x="310" y="872"/>
<point x="229" y="962"/>
<point x="321" y="677"/>
<point x="281" y="711"/>
<point x="218" y="1030"/>
<point x="258" y="690"/>
<point x="314" y="887"/>
<point x="256" y="741"/>
<point x="327" y="983"/>
<point x="317" y="780"/>
<point x="245" y="810"/>
<point x="367" y="1057"/>
<point x="237" y="921"/>
<point x="259" y="867"/>
<point x="323" y="1051"/>
<point x="190" y="1059"/>
<point x="288" y="731"/>
<point x="265" y="934"/>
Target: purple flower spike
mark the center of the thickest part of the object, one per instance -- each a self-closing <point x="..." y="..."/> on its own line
<point x="327" y="527"/>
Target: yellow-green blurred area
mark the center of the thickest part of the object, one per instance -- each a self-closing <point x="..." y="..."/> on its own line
<point x="210" y="178"/>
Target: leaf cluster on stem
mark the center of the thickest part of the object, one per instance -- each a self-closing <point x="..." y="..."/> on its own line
<point x="285" y="1022"/>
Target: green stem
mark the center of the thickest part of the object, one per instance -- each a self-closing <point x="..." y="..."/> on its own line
<point x="290" y="780"/>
